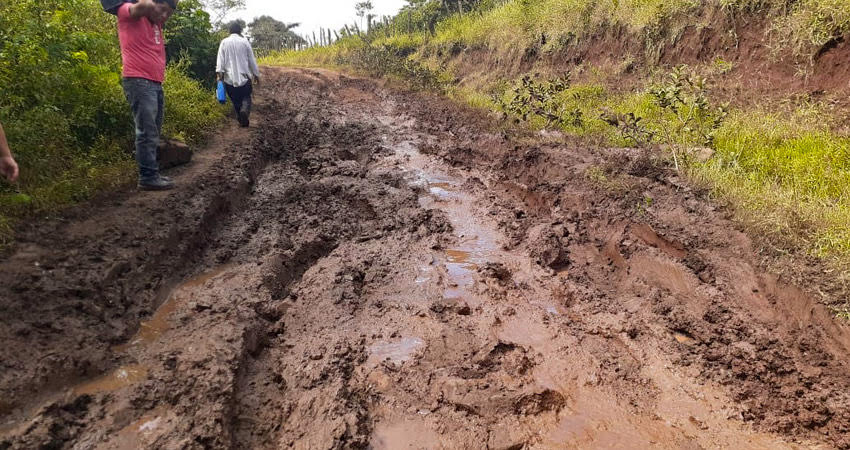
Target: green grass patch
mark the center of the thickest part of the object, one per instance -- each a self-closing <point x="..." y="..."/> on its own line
<point x="191" y="112"/>
<point x="789" y="176"/>
<point x="803" y="26"/>
<point x="519" y="23"/>
<point x="786" y="172"/>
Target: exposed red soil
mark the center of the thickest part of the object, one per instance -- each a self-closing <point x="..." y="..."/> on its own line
<point x="760" y="71"/>
<point x="370" y="268"/>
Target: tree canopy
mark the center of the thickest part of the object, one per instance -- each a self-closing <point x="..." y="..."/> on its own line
<point x="268" y="33"/>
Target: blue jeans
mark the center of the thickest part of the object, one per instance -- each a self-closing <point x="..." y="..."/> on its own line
<point x="148" y="105"/>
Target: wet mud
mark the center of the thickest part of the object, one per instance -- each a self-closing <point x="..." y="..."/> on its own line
<point x="374" y="268"/>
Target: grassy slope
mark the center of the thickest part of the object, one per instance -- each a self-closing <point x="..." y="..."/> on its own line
<point x="782" y="162"/>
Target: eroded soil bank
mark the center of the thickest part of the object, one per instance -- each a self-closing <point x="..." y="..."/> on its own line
<point x="368" y="268"/>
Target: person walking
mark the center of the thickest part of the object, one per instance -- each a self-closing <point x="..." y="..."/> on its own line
<point x="8" y="166"/>
<point x="236" y="66"/>
<point x="143" y="54"/>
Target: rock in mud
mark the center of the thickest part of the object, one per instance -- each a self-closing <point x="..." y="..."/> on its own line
<point x="497" y="271"/>
<point x="172" y="153"/>
<point x="505" y="438"/>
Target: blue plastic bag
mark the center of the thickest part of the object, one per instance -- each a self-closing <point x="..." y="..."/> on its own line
<point x="219" y="93"/>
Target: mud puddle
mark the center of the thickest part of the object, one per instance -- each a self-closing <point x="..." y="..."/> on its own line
<point x="125" y="376"/>
<point x="151" y="330"/>
<point x="395" y="351"/>
<point x="119" y="378"/>
<point x="589" y="417"/>
<point x="361" y="319"/>
<point x="477" y="241"/>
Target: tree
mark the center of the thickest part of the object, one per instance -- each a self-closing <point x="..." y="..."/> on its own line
<point x="268" y="33"/>
<point x="363" y="9"/>
<point x="190" y="35"/>
<point x="221" y="8"/>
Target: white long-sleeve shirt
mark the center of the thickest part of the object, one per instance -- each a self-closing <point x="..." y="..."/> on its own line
<point x="236" y="61"/>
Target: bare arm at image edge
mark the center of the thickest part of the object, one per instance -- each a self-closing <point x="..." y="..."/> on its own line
<point x="8" y="166"/>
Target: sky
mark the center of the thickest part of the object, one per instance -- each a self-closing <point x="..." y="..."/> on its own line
<point x="313" y="14"/>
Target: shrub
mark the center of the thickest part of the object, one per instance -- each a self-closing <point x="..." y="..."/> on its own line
<point x="63" y="107"/>
<point x="190" y="112"/>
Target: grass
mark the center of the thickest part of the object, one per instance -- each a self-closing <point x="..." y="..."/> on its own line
<point x="804" y="27"/>
<point x="788" y="175"/>
<point x="786" y="172"/>
<point x="311" y="57"/>
<point x="517" y="24"/>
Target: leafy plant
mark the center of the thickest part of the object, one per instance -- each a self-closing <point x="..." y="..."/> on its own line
<point x="189" y="36"/>
<point x="630" y="126"/>
<point x="62" y="105"/>
<point x="381" y="60"/>
<point x="532" y="98"/>
<point x="691" y="118"/>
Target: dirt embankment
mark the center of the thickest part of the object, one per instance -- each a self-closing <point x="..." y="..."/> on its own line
<point x="373" y="268"/>
<point x="741" y="53"/>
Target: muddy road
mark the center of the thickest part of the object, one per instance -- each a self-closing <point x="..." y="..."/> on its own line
<point x="373" y="268"/>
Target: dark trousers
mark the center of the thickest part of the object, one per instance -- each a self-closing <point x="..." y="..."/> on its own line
<point x="241" y="98"/>
<point x="148" y="105"/>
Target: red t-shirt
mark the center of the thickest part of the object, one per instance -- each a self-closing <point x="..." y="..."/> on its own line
<point x="142" y="46"/>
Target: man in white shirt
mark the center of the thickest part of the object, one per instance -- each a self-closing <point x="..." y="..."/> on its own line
<point x="236" y="66"/>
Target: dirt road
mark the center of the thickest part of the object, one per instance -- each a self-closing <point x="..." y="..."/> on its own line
<point x="371" y="268"/>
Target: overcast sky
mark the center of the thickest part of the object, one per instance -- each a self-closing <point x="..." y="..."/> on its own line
<point x="313" y="14"/>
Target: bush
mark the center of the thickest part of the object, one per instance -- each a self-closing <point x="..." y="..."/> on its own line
<point x="63" y="107"/>
<point x="190" y="37"/>
<point x="190" y="111"/>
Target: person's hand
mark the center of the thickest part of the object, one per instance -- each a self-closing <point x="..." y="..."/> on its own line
<point x="256" y="80"/>
<point x="142" y="8"/>
<point x="9" y="168"/>
<point x="164" y="13"/>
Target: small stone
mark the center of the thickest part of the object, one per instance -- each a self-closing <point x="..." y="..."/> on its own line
<point x="172" y="153"/>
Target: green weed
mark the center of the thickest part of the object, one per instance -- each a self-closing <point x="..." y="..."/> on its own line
<point x="789" y="176"/>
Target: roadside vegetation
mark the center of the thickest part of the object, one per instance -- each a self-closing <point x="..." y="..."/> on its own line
<point x="63" y="107"/>
<point x="782" y="162"/>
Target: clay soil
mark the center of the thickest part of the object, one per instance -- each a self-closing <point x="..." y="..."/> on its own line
<point x="368" y="267"/>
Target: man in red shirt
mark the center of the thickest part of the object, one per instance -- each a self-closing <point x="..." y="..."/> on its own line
<point x="143" y="53"/>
